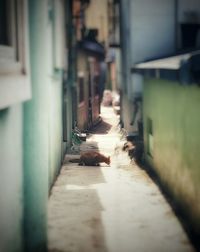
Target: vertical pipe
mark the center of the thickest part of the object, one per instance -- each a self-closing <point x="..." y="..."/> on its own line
<point x="176" y="6"/>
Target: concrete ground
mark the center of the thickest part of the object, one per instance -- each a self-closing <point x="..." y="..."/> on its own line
<point x="115" y="208"/>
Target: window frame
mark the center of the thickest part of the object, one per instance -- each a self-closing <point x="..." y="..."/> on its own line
<point x="14" y="56"/>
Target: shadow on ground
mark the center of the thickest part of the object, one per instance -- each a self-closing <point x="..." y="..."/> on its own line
<point x="102" y="128"/>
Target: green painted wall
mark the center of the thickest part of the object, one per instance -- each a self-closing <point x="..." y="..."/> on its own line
<point x="36" y="132"/>
<point x="55" y="127"/>
<point x="43" y="124"/>
<point x="174" y="111"/>
<point x="11" y="189"/>
<point x="31" y="136"/>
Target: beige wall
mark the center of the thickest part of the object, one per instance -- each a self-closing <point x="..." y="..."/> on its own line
<point x="96" y="17"/>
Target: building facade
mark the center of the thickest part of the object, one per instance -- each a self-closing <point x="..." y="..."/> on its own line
<point x="160" y="73"/>
<point x="33" y="74"/>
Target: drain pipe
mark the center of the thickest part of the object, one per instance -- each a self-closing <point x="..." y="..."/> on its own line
<point x="176" y="10"/>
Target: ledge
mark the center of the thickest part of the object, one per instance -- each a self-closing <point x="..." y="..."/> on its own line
<point x="14" y="89"/>
<point x="179" y="68"/>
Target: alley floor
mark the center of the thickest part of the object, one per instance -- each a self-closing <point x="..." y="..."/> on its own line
<point x="116" y="208"/>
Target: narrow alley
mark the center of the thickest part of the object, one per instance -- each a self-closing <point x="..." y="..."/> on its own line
<point x="116" y="208"/>
<point x="60" y="60"/>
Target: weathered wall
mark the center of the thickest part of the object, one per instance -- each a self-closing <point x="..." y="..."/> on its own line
<point x="31" y="132"/>
<point x="174" y="111"/>
<point x="11" y="189"/>
<point x="36" y="132"/>
<point x="42" y="124"/>
<point x="149" y="20"/>
<point x="142" y="22"/>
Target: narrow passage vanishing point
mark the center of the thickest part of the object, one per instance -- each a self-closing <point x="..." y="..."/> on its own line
<point x="114" y="208"/>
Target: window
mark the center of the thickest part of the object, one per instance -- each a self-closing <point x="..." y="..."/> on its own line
<point x="3" y="23"/>
<point x="14" y="82"/>
<point x="12" y="37"/>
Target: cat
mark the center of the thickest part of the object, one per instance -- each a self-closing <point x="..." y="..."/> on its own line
<point x="91" y="158"/>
